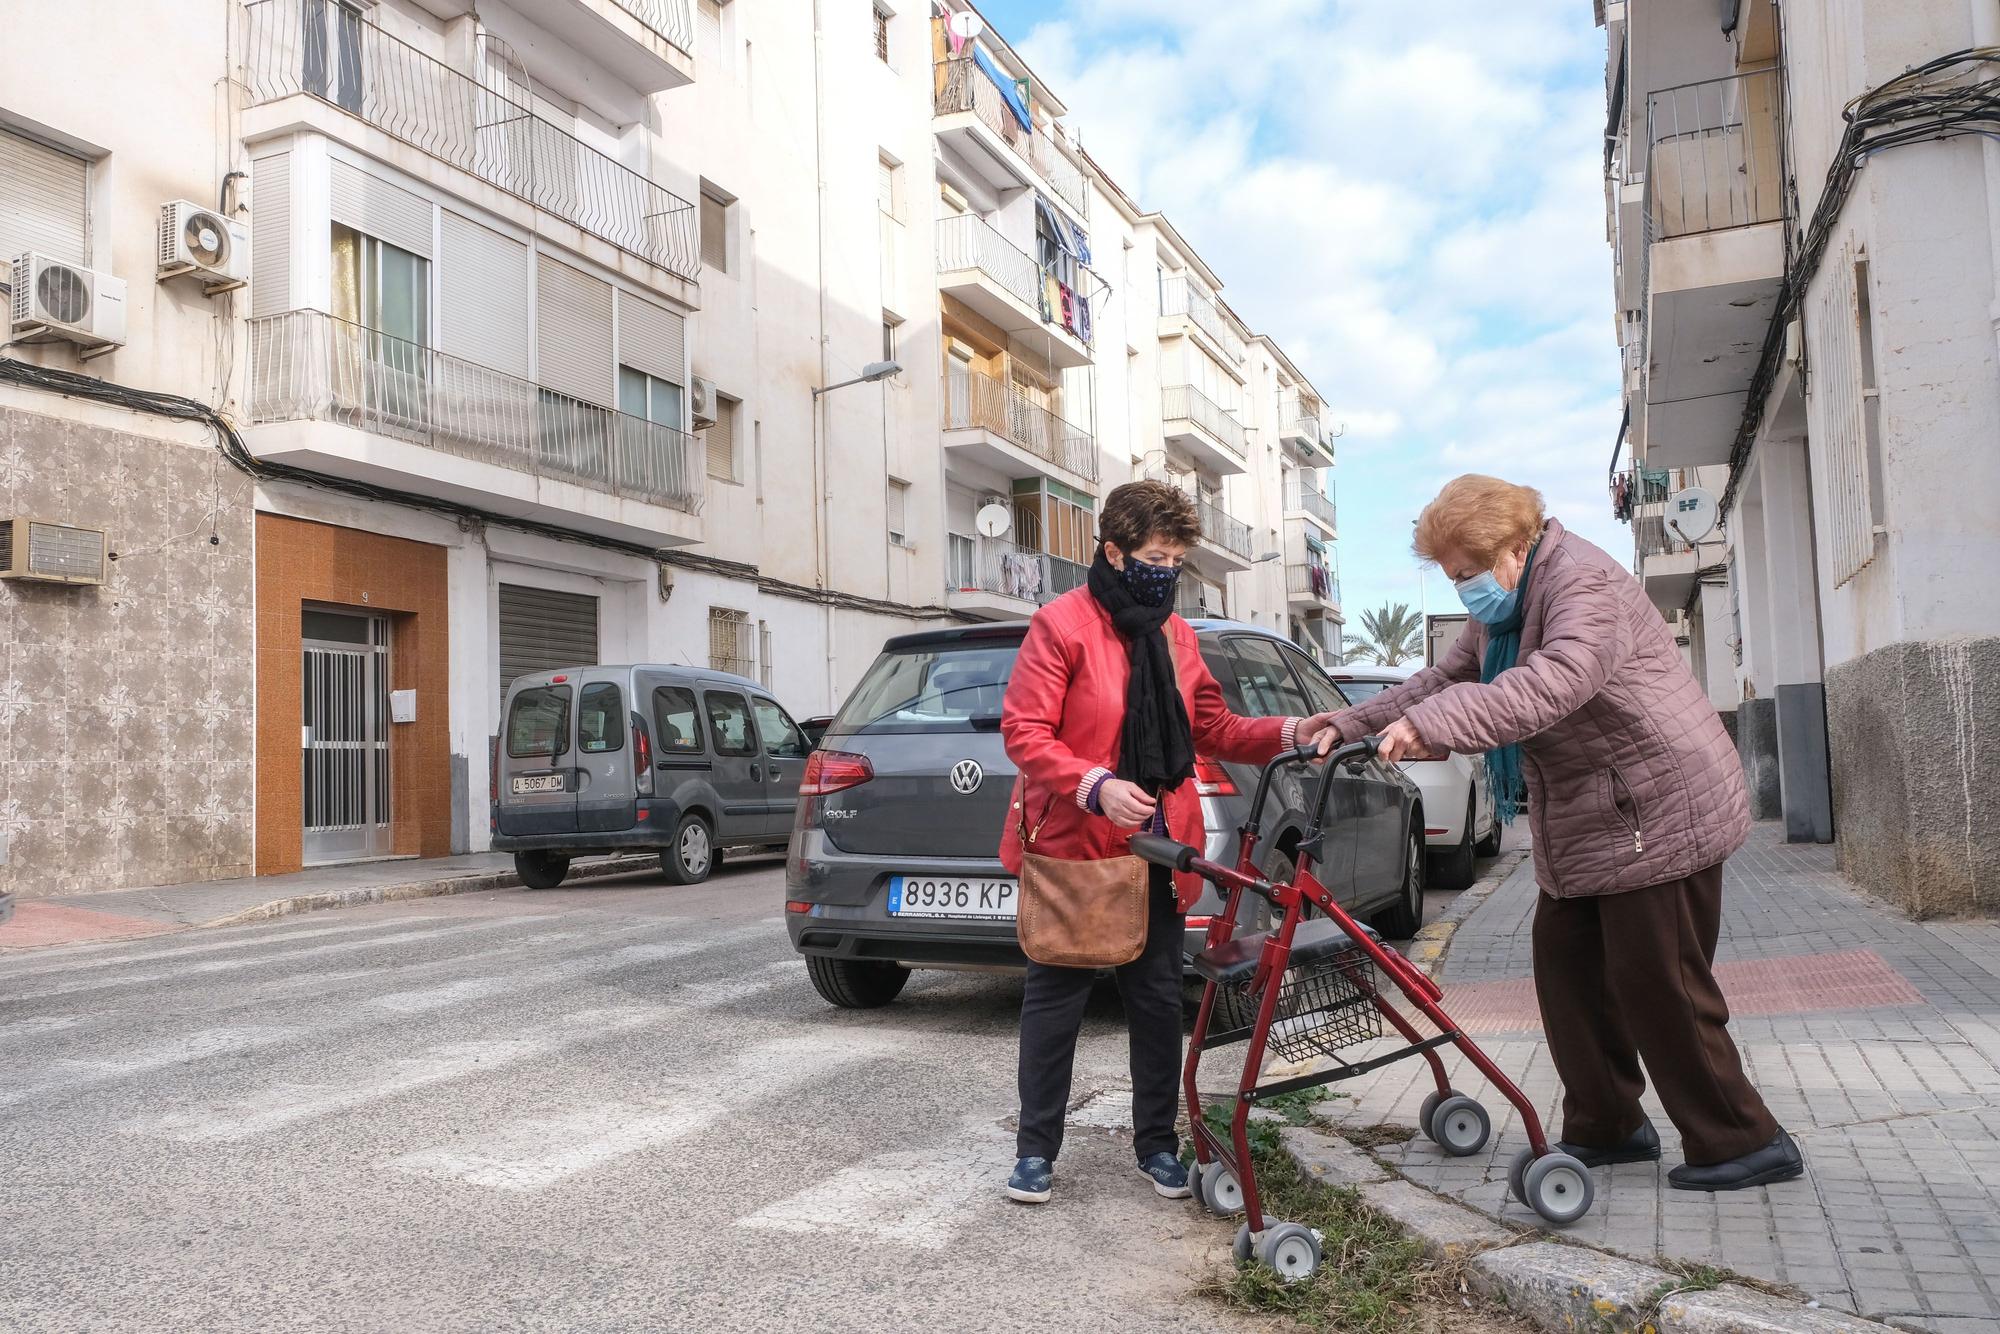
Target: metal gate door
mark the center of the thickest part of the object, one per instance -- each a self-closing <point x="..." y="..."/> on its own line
<point x="346" y="737"/>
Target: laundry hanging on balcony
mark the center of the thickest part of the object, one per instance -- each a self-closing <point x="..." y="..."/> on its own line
<point x="1621" y="497"/>
<point x="1321" y="585"/>
<point x="1021" y="575"/>
<point x="1013" y="91"/>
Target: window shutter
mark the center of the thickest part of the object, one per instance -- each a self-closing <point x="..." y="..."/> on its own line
<point x="721" y="439"/>
<point x="483" y="302"/>
<point x="44" y="205"/>
<point x="715" y="234"/>
<point x="652" y="339"/>
<point x="381" y="210"/>
<point x="542" y="629"/>
<point x="573" y="334"/>
<point x="885" y="187"/>
<point x="271" y="234"/>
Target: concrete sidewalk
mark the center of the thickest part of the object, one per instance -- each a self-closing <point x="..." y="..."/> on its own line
<point x="125" y="913"/>
<point x="1876" y="1041"/>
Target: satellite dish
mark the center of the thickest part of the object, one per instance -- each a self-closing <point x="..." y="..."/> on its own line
<point x="993" y="520"/>
<point x="966" y="24"/>
<point x="1692" y="514"/>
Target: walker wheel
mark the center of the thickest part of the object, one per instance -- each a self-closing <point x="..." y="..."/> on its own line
<point x="1245" y="1245"/>
<point x="1460" y="1126"/>
<point x="1517" y="1174"/>
<point x="1291" y="1250"/>
<point x="1559" y="1188"/>
<point x="1221" y="1192"/>
<point x="1431" y="1101"/>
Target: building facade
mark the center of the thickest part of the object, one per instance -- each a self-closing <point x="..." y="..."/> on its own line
<point x="1807" y="323"/>
<point x="549" y="348"/>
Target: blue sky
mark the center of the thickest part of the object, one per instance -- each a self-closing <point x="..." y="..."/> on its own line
<point x="1409" y="198"/>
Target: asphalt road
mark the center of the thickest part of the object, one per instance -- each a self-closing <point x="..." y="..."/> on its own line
<point x="614" y="1106"/>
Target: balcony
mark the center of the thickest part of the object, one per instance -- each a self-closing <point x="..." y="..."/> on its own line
<point x="1226" y="540"/>
<point x="648" y="44"/>
<point x="1714" y="257"/>
<point x="1309" y="584"/>
<point x="1007" y="286"/>
<point x="337" y="399"/>
<point x="1199" y="425"/>
<point x="997" y="580"/>
<point x="976" y="118"/>
<point x="1309" y="504"/>
<point x="1194" y="598"/>
<point x="1301" y="431"/>
<point x="338" y="61"/>
<point x="1668" y="565"/>
<point x="1187" y="311"/>
<point x="994" y="423"/>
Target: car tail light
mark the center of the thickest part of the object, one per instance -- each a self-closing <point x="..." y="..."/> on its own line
<point x="1212" y="780"/>
<point x="831" y="771"/>
<point x="1433" y="830"/>
<point x="794" y="906"/>
<point x="642" y="758"/>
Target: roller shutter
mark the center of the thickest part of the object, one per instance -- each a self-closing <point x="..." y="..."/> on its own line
<point x="386" y="212"/>
<point x="271" y="234"/>
<point x="542" y="629"/>
<point x="651" y="338"/>
<point x="483" y="299"/>
<point x="44" y="204"/>
<point x="573" y="334"/>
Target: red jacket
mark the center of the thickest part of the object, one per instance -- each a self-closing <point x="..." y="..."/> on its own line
<point x="1064" y="711"/>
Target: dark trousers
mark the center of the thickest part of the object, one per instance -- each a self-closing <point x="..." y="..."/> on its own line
<point x="1052" y="1014"/>
<point x="1625" y="976"/>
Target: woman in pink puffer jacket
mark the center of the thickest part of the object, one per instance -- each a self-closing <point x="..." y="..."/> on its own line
<point x="1571" y="681"/>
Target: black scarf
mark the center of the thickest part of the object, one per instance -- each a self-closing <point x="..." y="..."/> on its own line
<point x="1156" y="745"/>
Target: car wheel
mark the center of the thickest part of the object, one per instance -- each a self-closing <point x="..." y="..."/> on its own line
<point x="541" y="870"/>
<point x="1490" y="845"/>
<point x="856" y="984"/>
<point x="692" y="855"/>
<point x="1454" y="869"/>
<point x="1403" y="919"/>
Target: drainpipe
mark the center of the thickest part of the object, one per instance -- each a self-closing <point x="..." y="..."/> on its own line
<point x="822" y="472"/>
<point x="1986" y="33"/>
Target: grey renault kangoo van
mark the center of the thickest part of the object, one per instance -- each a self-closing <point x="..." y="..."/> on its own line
<point x="609" y="759"/>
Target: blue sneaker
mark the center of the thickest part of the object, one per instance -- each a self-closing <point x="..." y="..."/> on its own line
<point x="1032" y="1182"/>
<point x="1167" y="1173"/>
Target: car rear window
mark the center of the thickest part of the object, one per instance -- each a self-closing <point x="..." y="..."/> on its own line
<point x="539" y="715"/>
<point x="953" y="687"/>
<point x="600" y="723"/>
<point x="1356" y="691"/>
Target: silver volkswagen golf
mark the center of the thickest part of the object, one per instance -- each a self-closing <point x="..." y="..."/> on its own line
<point x="895" y="855"/>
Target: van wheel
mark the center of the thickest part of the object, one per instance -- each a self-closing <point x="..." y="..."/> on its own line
<point x="1404" y="918"/>
<point x="1454" y="869"/>
<point x="692" y="855"/>
<point x="856" y="984"/>
<point x="541" y="870"/>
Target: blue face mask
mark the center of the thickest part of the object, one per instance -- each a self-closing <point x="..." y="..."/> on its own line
<point x="1485" y="600"/>
<point x="1149" y="585"/>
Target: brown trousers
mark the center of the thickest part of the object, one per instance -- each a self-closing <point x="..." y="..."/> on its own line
<point x="1627" y="975"/>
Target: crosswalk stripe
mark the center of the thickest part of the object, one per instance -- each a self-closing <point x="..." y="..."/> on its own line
<point x="263" y="936"/>
<point x="907" y="1198"/>
<point x="69" y="1075"/>
<point x="476" y="988"/>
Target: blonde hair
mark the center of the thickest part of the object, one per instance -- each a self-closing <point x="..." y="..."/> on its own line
<point x="1478" y="517"/>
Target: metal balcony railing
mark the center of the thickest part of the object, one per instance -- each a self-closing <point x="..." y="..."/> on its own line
<point x="962" y="86"/>
<point x="326" y="51"/>
<point x="1304" y="499"/>
<point x="983" y="402"/>
<point x="671" y="19"/>
<point x="996" y="565"/>
<point x="1194" y="598"/>
<point x="308" y="366"/>
<point x="967" y="241"/>
<point x="1184" y="402"/>
<point x="1218" y="527"/>
<point x="1180" y="297"/>
<point x="1715" y="155"/>
<point x="1306" y="579"/>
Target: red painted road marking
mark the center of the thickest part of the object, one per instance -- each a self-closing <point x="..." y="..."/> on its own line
<point x="1795" y="984"/>
<point x="38" y="924"/>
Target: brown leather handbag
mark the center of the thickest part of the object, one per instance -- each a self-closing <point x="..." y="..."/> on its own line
<point x="1080" y="913"/>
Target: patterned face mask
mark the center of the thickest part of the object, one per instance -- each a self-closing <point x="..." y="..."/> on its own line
<point x="1149" y="585"/>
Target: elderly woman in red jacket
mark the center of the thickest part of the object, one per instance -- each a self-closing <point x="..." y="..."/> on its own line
<point x="1570" y="681"/>
<point x="1108" y="703"/>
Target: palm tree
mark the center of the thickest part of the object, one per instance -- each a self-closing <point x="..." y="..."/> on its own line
<point x="1391" y="636"/>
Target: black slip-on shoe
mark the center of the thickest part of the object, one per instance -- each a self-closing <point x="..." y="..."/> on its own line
<point x="1780" y="1160"/>
<point x="1641" y="1146"/>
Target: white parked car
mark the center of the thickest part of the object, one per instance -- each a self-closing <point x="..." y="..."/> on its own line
<point x="1459" y="820"/>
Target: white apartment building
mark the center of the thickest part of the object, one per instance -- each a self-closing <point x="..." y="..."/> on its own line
<point x="1809" y="337"/>
<point x="548" y="349"/>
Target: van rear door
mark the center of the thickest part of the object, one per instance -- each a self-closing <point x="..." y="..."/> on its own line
<point x="606" y="796"/>
<point x="537" y="780"/>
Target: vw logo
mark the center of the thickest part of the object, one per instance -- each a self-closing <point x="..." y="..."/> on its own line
<point x="966" y="776"/>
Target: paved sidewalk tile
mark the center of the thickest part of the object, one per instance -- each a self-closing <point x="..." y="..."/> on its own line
<point x="1876" y="1041"/>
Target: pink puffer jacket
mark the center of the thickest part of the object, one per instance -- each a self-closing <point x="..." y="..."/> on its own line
<point x="1632" y="780"/>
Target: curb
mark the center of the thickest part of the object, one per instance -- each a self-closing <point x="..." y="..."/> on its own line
<point x="1559" y="1286"/>
<point x="1428" y="946"/>
<point x="413" y="889"/>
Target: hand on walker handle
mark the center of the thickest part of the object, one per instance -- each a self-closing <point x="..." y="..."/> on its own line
<point x="1125" y="804"/>
<point x="1400" y="741"/>
<point x="1319" y="730"/>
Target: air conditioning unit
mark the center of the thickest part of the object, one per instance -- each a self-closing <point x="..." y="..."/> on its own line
<point x="54" y="553"/>
<point x="200" y="241"/>
<point x="53" y="300"/>
<point x="704" y="402"/>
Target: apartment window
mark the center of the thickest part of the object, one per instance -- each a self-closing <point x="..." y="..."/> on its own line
<point x="961" y="562"/>
<point x="331" y="52"/>
<point x="714" y="231"/>
<point x="1842" y="411"/>
<point x="889" y="323"/>
<point x="729" y="645"/>
<point x="721" y="440"/>
<point x="649" y="398"/>
<point x="765" y="657"/>
<point x="885" y="186"/>
<point x="48" y="205"/>
<point x="899" y="514"/>
<point x="882" y="17"/>
<point x="382" y="292"/>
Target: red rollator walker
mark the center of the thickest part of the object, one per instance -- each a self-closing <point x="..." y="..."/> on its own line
<point x="1313" y="989"/>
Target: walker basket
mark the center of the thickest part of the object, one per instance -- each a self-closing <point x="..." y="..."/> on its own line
<point x="1324" y="1004"/>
